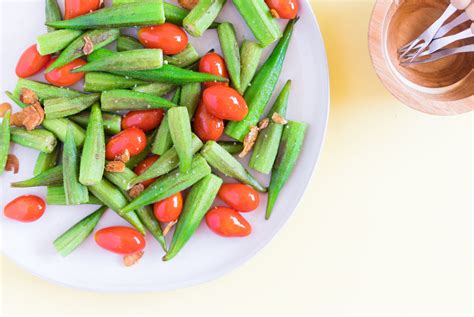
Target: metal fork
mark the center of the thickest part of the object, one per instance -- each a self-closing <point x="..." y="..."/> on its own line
<point x="442" y="54"/>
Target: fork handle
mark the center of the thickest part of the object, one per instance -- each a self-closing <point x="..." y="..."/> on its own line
<point x="461" y="4"/>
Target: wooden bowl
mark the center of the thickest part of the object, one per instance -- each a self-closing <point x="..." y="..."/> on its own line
<point x="444" y="87"/>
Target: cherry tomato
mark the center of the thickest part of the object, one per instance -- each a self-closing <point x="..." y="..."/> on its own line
<point x="206" y="126"/>
<point x="143" y="166"/>
<point x="214" y="64"/>
<point x="286" y="9"/>
<point x="121" y="240"/>
<point x="131" y="139"/>
<point x="62" y="76"/>
<point x="31" y="62"/>
<point x="146" y="120"/>
<point x="75" y="8"/>
<point x="227" y="222"/>
<point x="225" y="103"/>
<point x="26" y="208"/>
<point x="169" y="209"/>
<point x="167" y="36"/>
<point x="239" y="197"/>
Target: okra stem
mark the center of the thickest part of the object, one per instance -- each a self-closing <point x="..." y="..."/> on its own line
<point x="128" y="43"/>
<point x="50" y="177"/>
<point x="163" y="139"/>
<point x="250" y="54"/>
<point x="37" y="139"/>
<point x="230" y="49"/>
<point x="55" y="41"/>
<point x="52" y="12"/>
<point x="202" y="15"/>
<point x="180" y="130"/>
<point x="112" y="122"/>
<point x="55" y="195"/>
<point x="63" y="107"/>
<point x="4" y="141"/>
<point x="121" y="99"/>
<point x="99" y="82"/>
<point x="59" y="127"/>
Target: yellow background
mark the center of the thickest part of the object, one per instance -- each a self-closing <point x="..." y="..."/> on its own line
<point x="385" y="226"/>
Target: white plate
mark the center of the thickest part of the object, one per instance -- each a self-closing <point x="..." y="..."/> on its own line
<point x="207" y="256"/>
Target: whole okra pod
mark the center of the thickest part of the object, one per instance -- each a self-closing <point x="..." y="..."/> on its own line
<point x="56" y="195"/>
<point x="121" y="99"/>
<point x="128" y="43"/>
<point x="225" y="163"/>
<point x="202" y="16"/>
<point x="99" y="82"/>
<point x="59" y="128"/>
<point x="4" y="141"/>
<point x="230" y="49"/>
<point x="163" y="141"/>
<point x="43" y="91"/>
<point x="93" y="152"/>
<point x="76" y="193"/>
<point x="52" y="12"/>
<point x="45" y="161"/>
<point x="197" y="204"/>
<point x="37" y="139"/>
<point x="180" y="130"/>
<point x="50" y="177"/>
<point x="250" y="54"/>
<point x="56" y="41"/>
<point x="288" y="153"/>
<point x="74" y="236"/>
<point x="63" y="107"/>
<point x="170" y="184"/>
<point x="156" y="89"/>
<point x="112" y="122"/>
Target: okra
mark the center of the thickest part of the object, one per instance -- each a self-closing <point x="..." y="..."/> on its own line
<point x="156" y="89"/>
<point x="185" y="58"/>
<point x="170" y="184"/>
<point x="128" y="15"/>
<point x="142" y="59"/>
<point x="197" y="204"/>
<point x="259" y="19"/>
<point x="59" y="127"/>
<point x="290" y="148"/>
<point x="98" y="82"/>
<point x="63" y="107"/>
<point x="190" y="96"/>
<point x="55" y="41"/>
<point x="76" y="193"/>
<point x="52" y="12"/>
<point x="262" y="87"/>
<point x="55" y="195"/>
<point x="93" y="153"/>
<point x="231" y="146"/>
<point x="99" y="54"/>
<point x="145" y="213"/>
<point x="128" y="43"/>
<point x="230" y="49"/>
<point x="163" y="140"/>
<point x="166" y="163"/>
<point x="37" y="139"/>
<point x="250" y="54"/>
<point x="112" y="197"/>
<point x="50" y="177"/>
<point x="4" y="141"/>
<point x="45" y="161"/>
<point x="44" y="91"/>
<point x="135" y="160"/>
<point x="202" y="15"/>
<point x="121" y="99"/>
<point x="112" y="122"/>
<point x="99" y="38"/>
<point x="74" y="236"/>
<point x="225" y="163"/>
<point x="266" y="147"/>
<point x="180" y="130"/>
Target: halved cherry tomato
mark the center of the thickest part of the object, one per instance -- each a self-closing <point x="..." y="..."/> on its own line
<point x="206" y="126"/>
<point x="62" y="76"/>
<point x="285" y="9"/>
<point x="121" y="240"/>
<point x="75" y="8"/>
<point x="131" y="139"/>
<point x="26" y="208"/>
<point x="214" y="64"/>
<point x="239" y="197"/>
<point x="146" y="120"/>
<point x="169" y="209"/>
<point x="227" y="222"/>
<point x="143" y="166"/>
<point x="225" y="103"/>
<point x="167" y="36"/>
<point x="31" y="62"/>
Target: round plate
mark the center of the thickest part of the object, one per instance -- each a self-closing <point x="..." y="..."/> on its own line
<point x="206" y="256"/>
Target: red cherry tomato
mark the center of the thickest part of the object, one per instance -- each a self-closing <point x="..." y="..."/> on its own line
<point x="75" y="8"/>
<point x="214" y="64"/>
<point x="206" y="126"/>
<point x="239" y="197"/>
<point x="225" y="103"/>
<point x="167" y="36"/>
<point x="31" y="62"/>
<point x="286" y="9"/>
<point x="131" y="139"/>
<point x="143" y="166"/>
<point x="121" y="240"/>
<point x="26" y="208"/>
<point x="146" y="120"/>
<point x="62" y="76"/>
<point x="227" y="222"/>
<point x="169" y="209"/>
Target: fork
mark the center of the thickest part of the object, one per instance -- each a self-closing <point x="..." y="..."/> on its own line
<point x="442" y="54"/>
<point x="427" y="37"/>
